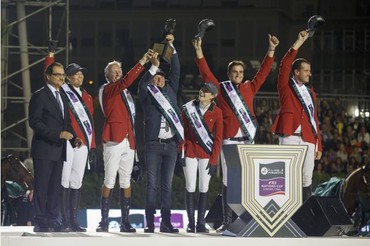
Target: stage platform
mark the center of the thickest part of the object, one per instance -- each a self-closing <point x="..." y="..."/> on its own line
<point x="24" y="236"/>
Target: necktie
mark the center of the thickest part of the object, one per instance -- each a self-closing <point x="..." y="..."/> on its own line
<point x="57" y="96"/>
<point x="167" y="126"/>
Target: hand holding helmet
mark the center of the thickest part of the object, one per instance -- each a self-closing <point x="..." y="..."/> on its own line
<point x="204" y="26"/>
<point x="313" y="24"/>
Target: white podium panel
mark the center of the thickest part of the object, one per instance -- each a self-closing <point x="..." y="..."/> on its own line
<point x="264" y="188"/>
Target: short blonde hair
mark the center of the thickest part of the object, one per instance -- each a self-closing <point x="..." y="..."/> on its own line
<point x="109" y="65"/>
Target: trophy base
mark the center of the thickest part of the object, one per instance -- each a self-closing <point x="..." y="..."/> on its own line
<point x="164" y="50"/>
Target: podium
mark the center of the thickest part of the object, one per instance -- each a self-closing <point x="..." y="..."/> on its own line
<point x="264" y="189"/>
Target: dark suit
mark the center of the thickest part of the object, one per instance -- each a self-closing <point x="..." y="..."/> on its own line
<point x="160" y="158"/>
<point x="48" y="152"/>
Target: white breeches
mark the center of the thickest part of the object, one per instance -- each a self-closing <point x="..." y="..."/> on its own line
<point x="190" y="172"/>
<point x="118" y="158"/>
<point x="309" y="162"/>
<point x="74" y="168"/>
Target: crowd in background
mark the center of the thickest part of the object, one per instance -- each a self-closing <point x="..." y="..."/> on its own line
<point x="345" y="139"/>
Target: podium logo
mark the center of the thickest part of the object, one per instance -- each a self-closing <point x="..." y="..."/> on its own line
<point x="272" y="179"/>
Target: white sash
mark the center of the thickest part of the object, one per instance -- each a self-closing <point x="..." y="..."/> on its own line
<point x="168" y="111"/>
<point x="80" y="111"/>
<point x="240" y="109"/>
<point x="101" y="90"/>
<point x="199" y="126"/>
<point x="130" y="104"/>
<point x="306" y="100"/>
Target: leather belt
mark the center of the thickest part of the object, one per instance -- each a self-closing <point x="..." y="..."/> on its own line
<point x="240" y="139"/>
<point x="165" y="140"/>
<point x="297" y="134"/>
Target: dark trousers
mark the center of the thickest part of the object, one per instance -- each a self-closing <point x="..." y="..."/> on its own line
<point x="47" y="176"/>
<point x="160" y="159"/>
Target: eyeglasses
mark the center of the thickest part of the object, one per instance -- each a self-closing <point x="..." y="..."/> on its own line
<point x="60" y="75"/>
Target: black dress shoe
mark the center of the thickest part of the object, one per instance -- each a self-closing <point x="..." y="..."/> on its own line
<point x="77" y="228"/>
<point x="149" y="229"/>
<point x="64" y="229"/>
<point x="168" y="228"/>
<point x="201" y="228"/>
<point x="37" y="228"/>
<point x="190" y="228"/>
<point x="57" y="227"/>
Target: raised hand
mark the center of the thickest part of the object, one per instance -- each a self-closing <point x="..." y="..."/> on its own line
<point x="273" y="41"/>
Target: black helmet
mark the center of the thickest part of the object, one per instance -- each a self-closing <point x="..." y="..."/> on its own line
<point x="204" y="26"/>
<point x="313" y="23"/>
<point x="137" y="173"/>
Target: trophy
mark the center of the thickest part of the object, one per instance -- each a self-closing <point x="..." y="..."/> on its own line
<point x="313" y="24"/>
<point x="163" y="48"/>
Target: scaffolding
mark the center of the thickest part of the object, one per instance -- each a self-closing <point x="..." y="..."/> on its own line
<point x="20" y="20"/>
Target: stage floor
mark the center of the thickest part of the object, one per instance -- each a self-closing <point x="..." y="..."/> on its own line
<point x="24" y="236"/>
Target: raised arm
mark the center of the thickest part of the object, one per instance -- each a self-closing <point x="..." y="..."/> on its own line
<point x="286" y="62"/>
<point x="273" y="43"/>
<point x="144" y="81"/>
<point x="266" y="64"/>
<point x="197" y="43"/>
<point x="204" y="70"/>
<point x="174" y="73"/>
<point x="302" y="37"/>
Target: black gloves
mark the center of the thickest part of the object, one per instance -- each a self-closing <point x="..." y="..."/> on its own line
<point x="92" y="157"/>
<point x="180" y="160"/>
<point x="137" y="173"/>
<point x="211" y="169"/>
<point x="52" y="45"/>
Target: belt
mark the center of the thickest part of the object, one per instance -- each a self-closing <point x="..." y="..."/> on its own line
<point x="297" y="134"/>
<point x="240" y="139"/>
<point x="165" y="140"/>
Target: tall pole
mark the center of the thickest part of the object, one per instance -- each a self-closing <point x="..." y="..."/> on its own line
<point x="23" y="41"/>
<point x="4" y="66"/>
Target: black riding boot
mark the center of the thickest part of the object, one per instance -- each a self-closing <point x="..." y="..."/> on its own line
<point x="166" y="225"/>
<point x="227" y="212"/>
<point x="104" y="209"/>
<point x="201" y="221"/>
<point x="74" y="202"/>
<point x="149" y="216"/>
<point x="125" y="211"/>
<point x="306" y="193"/>
<point x="66" y="226"/>
<point x="189" y="203"/>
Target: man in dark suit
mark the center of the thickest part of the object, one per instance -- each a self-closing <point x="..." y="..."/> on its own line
<point x="163" y="131"/>
<point x="49" y="119"/>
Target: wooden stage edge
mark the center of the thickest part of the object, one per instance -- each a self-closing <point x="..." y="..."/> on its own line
<point x="24" y="236"/>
